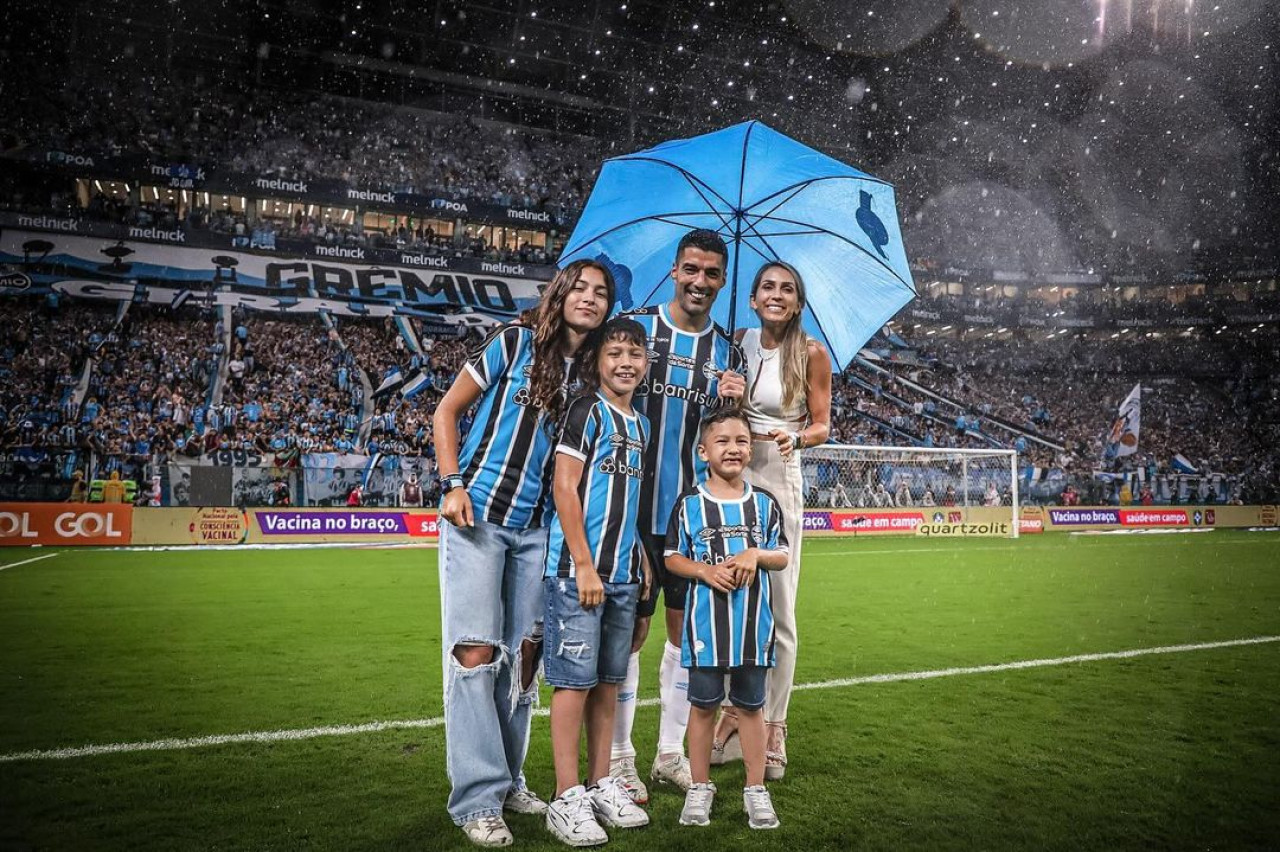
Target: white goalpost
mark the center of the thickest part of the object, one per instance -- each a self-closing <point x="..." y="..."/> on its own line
<point x="932" y="480"/>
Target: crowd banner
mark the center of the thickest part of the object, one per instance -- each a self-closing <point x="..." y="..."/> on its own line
<point x="229" y="526"/>
<point x="1079" y="518"/>
<point x="63" y="524"/>
<point x="105" y="524"/>
<point x="310" y="479"/>
<point x="977" y="521"/>
<point x="347" y="282"/>
<point x="1031" y="520"/>
<point x="958" y="521"/>
<point x="207" y="525"/>
<point x="329" y="477"/>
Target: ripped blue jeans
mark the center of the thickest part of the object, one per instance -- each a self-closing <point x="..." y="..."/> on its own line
<point x="588" y="646"/>
<point x="490" y="594"/>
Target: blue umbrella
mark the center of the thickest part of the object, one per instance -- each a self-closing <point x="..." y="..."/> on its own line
<point x="770" y="198"/>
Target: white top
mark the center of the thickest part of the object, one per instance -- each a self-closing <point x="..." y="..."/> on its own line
<point x="764" y="389"/>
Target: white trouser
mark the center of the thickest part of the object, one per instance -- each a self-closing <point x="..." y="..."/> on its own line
<point x="782" y="479"/>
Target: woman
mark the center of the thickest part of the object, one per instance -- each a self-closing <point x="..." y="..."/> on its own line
<point x="788" y="403"/>
<point x="493" y="539"/>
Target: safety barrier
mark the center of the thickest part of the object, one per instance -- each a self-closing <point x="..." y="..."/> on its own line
<point x="106" y="524"/>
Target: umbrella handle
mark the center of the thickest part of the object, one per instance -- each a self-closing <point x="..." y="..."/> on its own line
<point x="733" y="289"/>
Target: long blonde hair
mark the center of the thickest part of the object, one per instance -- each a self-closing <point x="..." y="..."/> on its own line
<point x="794" y="343"/>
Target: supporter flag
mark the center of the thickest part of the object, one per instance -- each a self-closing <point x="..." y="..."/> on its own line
<point x="1034" y="474"/>
<point x="391" y="382"/>
<point x="1123" y="440"/>
<point x="417" y="382"/>
<point x="374" y="461"/>
<point x="1182" y="464"/>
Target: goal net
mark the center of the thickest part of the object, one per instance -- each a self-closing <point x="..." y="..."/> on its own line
<point x="896" y="489"/>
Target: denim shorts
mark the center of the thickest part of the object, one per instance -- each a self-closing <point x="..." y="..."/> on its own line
<point x="746" y="686"/>
<point x="588" y="646"/>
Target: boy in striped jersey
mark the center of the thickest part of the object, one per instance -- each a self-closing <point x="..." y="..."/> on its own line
<point x="595" y="574"/>
<point x="692" y="369"/>
<point x="725" y="536"/>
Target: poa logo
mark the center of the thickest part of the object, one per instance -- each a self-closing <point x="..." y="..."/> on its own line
<point x="447" y="204"/>
<point x="69" y="159"/>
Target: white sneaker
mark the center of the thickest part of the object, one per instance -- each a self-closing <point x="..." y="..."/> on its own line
<point x="488" y="831"/>
<point x="624" y="769"/>
<point x="614" y="807"/>
<point x="759" y="808"/>
<point x="697" y="804"/>
<point x="672" y="769"/>
<point x="524" y="801"/>
<point x="572" y="819"/>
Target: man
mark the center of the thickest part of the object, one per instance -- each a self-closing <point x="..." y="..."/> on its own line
<point x="411" y="492"/>
<point x="693" y="368"/>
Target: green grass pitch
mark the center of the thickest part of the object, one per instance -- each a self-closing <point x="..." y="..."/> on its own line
<point x="1166" y="751"/>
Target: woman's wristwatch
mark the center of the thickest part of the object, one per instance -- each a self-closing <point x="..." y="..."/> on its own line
<point x="797" y="441"/>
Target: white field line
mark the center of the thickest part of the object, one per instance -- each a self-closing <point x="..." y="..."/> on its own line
<point x="408" y="724"/>
<point x="28" y="561"/>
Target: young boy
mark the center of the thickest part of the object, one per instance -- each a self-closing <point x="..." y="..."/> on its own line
<point x="596" y="572"/>
<point x="726" y="536"/>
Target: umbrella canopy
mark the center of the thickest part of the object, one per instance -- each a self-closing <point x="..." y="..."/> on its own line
<point x="770" y="198"/>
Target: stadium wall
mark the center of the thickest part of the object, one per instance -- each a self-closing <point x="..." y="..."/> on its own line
<point x="115" y="525"/>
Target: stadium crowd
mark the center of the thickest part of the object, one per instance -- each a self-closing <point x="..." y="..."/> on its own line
<point x="297" y="136"/>
<point x="294" y="386"/>
<point x="43" y="352"/>
<point x="149" y="383"/>
<point x="1208" y="399"/>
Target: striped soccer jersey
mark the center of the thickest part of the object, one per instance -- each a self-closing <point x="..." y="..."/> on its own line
<point x="734" y="628"/>
<point x="610" y="444"/>
<point x="506" y="455"/>
<point x="678" y="388"/>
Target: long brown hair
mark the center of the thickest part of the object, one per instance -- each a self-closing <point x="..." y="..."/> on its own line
<point x="795" y="342"/>
<point x="546" y="319"/>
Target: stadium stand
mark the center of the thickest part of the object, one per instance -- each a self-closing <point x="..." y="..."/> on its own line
<point x="82" y="383"/>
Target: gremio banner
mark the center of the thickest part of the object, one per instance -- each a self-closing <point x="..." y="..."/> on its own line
<point x="348" y="284"/>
